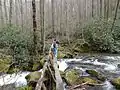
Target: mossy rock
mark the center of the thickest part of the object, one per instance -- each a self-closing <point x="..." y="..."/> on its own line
<point x="116" y="82"/>
<point x="33" y="76"/>
<point x="89" y="80"/>
<point x="24" y="88"/>
<point x="72" y="76"/>
<point x="5" y="61"/>
<point x="94" y="73"/>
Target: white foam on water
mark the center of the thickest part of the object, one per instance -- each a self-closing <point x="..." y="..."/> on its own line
<point x="80" y="69"/>
<point x="62" y="65"/>
<point x="110" y="67"/>
<point x="98" y="63"/>
<point x="112" y="57"/>
<point x="107" y="66"/>
<point x="70" y="60"/>
<point x="108" y="86"/>
<point x="18" y="79"/>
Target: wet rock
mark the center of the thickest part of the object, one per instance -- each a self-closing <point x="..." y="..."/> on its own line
<point x="94" y="73"/>
<point x="32" y="78"/>
<point x="116" y="82"/>
<point x="25" y="88"/>
<point x="8" y="87"/>
<point x="72" y="76"/>
<point x="118" y="65"/>
<point x="89" y="80"/>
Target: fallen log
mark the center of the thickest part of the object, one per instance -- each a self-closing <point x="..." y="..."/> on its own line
<point x="40" y="81"/>
<point x="59" y="82"/>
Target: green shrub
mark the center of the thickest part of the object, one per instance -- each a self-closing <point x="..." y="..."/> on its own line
<point x="100" y="38"/>
<point x="19" y="41"/>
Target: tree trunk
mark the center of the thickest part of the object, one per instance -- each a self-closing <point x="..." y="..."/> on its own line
<point x="10" y="12"/>
<point x="101" y="8"/>
<point x="1" y="13"/>
<point x="92" y="8"/>
<point x="16" y="11"/>
<point x="107" y="13"/>
<point x="42" y="25"/>
<point x="105" y="9"/>
<point x="21" y="10"/>
<point x="61" y="16"/>
<point x="5" y="9"/>
<point x="34" y="28"/>
<point x="26" y="10"/>
<point x="53" y="16"/>
<point x="116" y="11"/>
<point x="79" y="10"/>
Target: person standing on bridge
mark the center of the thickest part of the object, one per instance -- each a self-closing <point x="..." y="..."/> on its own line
<point x="54" y="47"/>
<point x="53" y="51"/>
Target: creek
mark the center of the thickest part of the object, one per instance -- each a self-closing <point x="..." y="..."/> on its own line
<point x="107" y="65"/>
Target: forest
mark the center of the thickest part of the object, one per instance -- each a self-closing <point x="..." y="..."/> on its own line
<point x="88" y="54"/>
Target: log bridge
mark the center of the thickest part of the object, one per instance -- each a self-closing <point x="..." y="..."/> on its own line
<point x="54" y="80"/>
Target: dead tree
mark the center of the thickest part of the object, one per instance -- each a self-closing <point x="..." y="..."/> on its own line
<point x="34" y="28"/>
<point x="42" y="25"/>
<point x="10" y="12"/>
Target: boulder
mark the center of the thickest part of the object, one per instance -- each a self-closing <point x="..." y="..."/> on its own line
<point x="5" y="61"/>
<point x="89" y="80"/>
<point x="118" y="65"/>
<point x="95" y="74"/>
<point x="116" y="82"/>
<point x="25" y="88"/>
<point x="33" y="76"/>
<point x="72" y="76"/>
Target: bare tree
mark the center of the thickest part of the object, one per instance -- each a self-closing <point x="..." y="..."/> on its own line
<point x="101" y="8"/>
<point x="1" y="13"/>
<point x="21" y="11"/>
<point x="26" y="10"/>
<point x="92" y="8"/>
<point x="16" y="11"/>
<point x="116" y="11"/>
<point x="5" y="10"/>
<point x="42" y="25"/>
<point x="34" y="27"/>
<point x="53" y="16"/>
<point x="10" y="12"/>
<point x="107" y="12"/>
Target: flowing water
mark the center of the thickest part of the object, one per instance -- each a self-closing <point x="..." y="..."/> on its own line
<point x="107" y="65"/>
